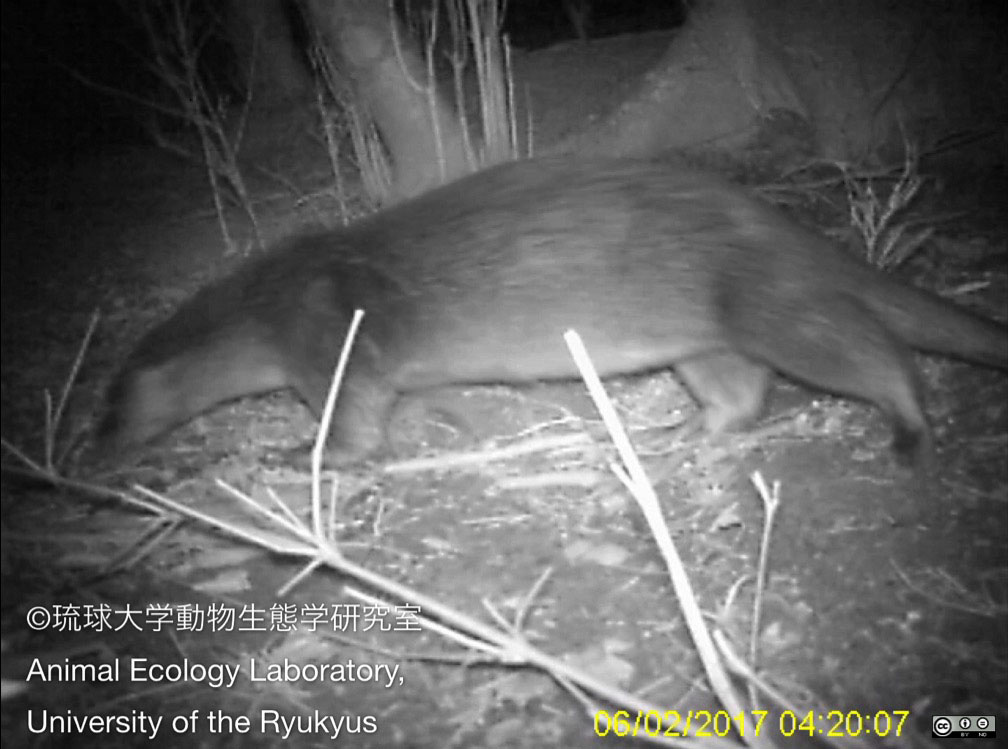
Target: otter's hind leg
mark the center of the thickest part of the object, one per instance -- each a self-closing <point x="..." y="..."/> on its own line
<point x="830" y="340"/>
<point x="730" y="388"/>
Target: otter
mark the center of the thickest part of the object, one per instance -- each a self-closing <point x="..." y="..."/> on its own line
<point x="476" y="281"/>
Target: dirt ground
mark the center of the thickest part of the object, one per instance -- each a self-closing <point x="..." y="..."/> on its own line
<point x="886" y="591"/>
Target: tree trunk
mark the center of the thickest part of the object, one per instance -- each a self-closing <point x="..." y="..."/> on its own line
<point x="719" y="81"/>
<point x="418" y="127"/>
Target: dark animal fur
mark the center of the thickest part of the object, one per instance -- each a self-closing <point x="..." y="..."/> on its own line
<point x="476" y="281"/>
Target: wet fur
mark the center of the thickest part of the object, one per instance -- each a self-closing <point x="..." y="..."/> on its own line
<point x="475" y="282"/>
